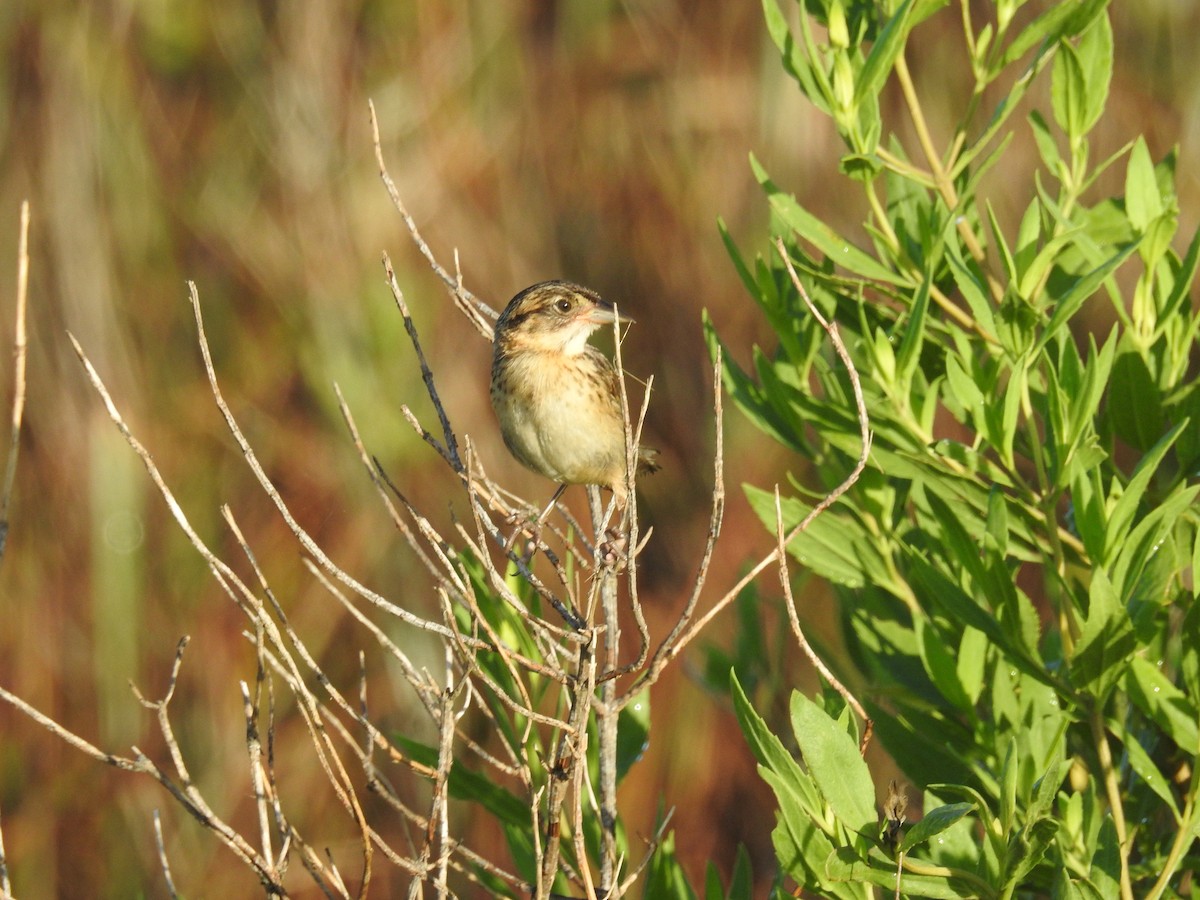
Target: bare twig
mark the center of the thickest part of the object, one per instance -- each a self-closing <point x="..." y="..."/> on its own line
<point x="665" y="653"/>
<point x="161" y="847"/>
<point x="265" y="483"/>
<point x="786" y="582"/>
<point x="5" y="884"/>
<point x="185" y="791"/>
<point x="477" y="312"/>
<point x="18" y="407"/>
<point x="664" y="656"/>
<point x="426" y="374"/>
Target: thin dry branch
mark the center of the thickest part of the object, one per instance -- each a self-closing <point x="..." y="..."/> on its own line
<point x="184" y="791"/>
<point x="451" y="442"/>
<point x="20" y="345"/>
<point x="161" y="848"/>
<point x="785" y="581"/>
<point x="268" y="487"/>
<point x="665" y="656"/>
<point x="477" y="312"/>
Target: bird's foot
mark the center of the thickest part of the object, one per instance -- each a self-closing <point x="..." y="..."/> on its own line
<point x="611" y="552"/>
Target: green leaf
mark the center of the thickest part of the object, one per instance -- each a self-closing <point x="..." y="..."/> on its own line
<point x="1120" y="518"/>
<point x="972" y="656"/>
<point x="1068" y="92"/>
<point x="940" y="666"/>
<point x="1046" y="144"/>
<point x="1096" y="59"/>
<point x="1060" y="20"/>
<point x="807" y="846"/>
<point x="471" y="786"/>
<point x="741" y="883"/>
<point x="766" y="747"/>
<point x="750" y="398"/>
<point x="633" y="732"/>
<point x="913" y="339"/>
<point x="883" y="54"/>
<point x="665" y="877"/>
<point x="970" y="284"/>
<point x="1107" y="639"/>
<point x="1029" y="233"/>
<point x="735" y="255"/>
<point x="1169" y="707"/>
<point x="1135" y="404"/>
<point x="934" y="823"/>
<point x="1046" y="789"/>
<point x="1031" y="847"/>
<point x="851" y="868"/>
<point x="833" y="761"/>
<point x="1143" y="203"/>
<point x="1105" y="870"/>
<point x="1009" y="775"/>
<point x="1146" y="563"/>
<point x="811" y="78"/>
<point x="1141" y="763"/>
<point x="995" y="539"/>
<point x="962" y="385"/>
<point x="1083" y="288"/>
<point x="810" y="228"/>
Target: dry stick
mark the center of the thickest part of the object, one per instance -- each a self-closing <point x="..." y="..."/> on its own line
<point x="786" y="582"/>
<point x="477" y="312"/>
<point x="385" y="793"/>
<point x="309" y="706"/>
<point x="426" y="690"/>
<point x="186" y="795"/>
<point x="263" y="864"/>
<point x="185" y="792"/>
<point x="781" y="546"/>
<point x="440" y="805"/>
<point x="633" y="442"/>
<point x="225" y="577"/>
<point x="577" y="622"/>
<point x="18" y="412"/>
<point x="606" y="709"/>
<point x="426" y="372"/>
<point x="254" y="750"/>
<point x="161" y="848"/>
<point x="265" y="483"/>
<point x="537" y="625"/>
<point x="571" y="754"/>
<point x="665" y="656"/>
<point x="365" y="458"/>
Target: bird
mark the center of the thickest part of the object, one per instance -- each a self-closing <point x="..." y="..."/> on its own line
<point x="556" y="397"/>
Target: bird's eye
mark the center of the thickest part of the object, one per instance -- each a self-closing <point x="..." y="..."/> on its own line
<point x="563" y="305"/>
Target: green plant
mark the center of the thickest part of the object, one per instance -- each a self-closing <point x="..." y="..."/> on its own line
<point x="1013" y="565"/>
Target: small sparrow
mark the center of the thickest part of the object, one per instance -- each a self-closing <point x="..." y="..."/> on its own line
<point x="556" y="396"/>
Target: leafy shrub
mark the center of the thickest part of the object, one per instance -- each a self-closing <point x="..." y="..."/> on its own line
<point x="1015" y="567"/>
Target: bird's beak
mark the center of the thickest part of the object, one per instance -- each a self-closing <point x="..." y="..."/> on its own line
<point x="604" y="314"/>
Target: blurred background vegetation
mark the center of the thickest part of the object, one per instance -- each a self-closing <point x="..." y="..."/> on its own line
<point x="228" y="143"/>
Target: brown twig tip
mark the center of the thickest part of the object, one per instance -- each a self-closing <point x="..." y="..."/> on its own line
<point x="477" y="312"/>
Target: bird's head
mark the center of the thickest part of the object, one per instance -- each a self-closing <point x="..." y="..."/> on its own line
<point x="553" y="316"/>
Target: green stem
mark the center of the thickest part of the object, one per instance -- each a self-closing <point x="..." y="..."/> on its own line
<point x="1183" y="839"/>
<point x="1047" y="502"/>
<point x="981" y="887"/>
<point x="943" y="183"/>
<point x="1112" y="790"/>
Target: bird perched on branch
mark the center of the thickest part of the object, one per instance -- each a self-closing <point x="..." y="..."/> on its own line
<point x="556" y="396"/>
